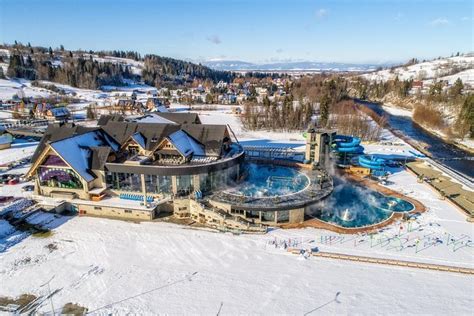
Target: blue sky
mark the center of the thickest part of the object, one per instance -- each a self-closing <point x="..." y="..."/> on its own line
<point x="257" y="31"/>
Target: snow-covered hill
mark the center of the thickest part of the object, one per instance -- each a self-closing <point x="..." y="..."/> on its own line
<point x="441" y="69"/>
<point x="303" y="66"/>
<point x="135" y="66"/>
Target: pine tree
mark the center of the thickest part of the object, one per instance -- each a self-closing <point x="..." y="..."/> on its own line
<point x="456" y="89"/>
<point x="324" y="110"/>
<point x="90" y="113"/>
<point x="466" y="116"/>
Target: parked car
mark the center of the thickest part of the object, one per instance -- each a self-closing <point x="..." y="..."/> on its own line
<point x="4" y="199"/>
<point x="13" y="181"/>
<point x="28" y="188"/>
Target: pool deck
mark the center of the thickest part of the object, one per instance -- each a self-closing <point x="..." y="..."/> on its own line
<point x="395" y="217"/>
<point x="454" y="192"/>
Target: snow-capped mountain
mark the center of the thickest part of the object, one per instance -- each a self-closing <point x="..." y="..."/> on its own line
<point x="309" y="66"/>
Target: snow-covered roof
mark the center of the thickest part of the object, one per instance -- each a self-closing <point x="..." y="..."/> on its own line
<point x="161" y="108"/>
<point x="185" y="144"/>
<point x="139" y="139"/>
<point x="153" y="118"/>
<point x="76" y="151"/>
<point x="60" y="111"/>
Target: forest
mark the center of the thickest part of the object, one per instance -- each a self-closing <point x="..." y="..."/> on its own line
<point x="80" y="69"/>
<point x="320" y="99"/>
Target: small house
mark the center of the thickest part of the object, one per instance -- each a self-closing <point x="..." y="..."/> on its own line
<point x="58" y="114"/>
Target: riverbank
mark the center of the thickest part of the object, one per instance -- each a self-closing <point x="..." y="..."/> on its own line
<point x="448" y="154"/>
<point x="466" y="145"/>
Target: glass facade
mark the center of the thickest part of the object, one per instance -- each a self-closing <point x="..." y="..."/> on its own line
<point x="268" y="216"/>
<point x="185" y="184"/>
<point x="59" y="178"/>
<point x="217" y="180"/>
<point x="158" y="184"/>
<point x="124" y="181"/>
<point x="53" y="160"/>
<point x="283" y="216"/>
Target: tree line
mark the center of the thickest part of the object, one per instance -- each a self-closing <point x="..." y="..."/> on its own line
<point x="277" y="116"/>
<point x="79" y="69"/>
<point x="320" y="99"/>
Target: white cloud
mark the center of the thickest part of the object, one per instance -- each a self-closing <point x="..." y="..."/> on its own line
<point x="214" y="39"/>
<point x="466" y="18"/>
<point x="279" y="50"/>
<point x="321" y="13"/>
<point x="439" y="22"/>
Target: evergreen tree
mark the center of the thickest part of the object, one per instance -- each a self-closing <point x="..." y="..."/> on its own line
<point x="90" y="113"/>
<point x="466" y="116"/>
<point x="324" y="110"/>
<point x="456" y="89"/>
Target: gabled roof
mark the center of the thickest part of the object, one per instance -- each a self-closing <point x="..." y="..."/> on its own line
<point x="78" y="151"/>
<point x="152" y="134"/>
<point x="103" y="119"/>
<point x="185" y="144"/>
<point x="99" y="157"/>
<point x="55" y="132"/>
<point x="211" y="136"/>
<point x="153" y="118"/>
<point x="180" y="118"/>
<point x="139" y="139"/>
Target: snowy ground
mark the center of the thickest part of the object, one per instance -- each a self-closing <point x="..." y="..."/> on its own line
<point x="120" y="267"/>
<point x="223" y="115"/>
<point x="17" y="151"/>
<point x="438" y="68"/>
<point x="9" y="88"/>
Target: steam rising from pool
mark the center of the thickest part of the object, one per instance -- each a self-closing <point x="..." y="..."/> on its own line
<point x="270" y="181"/>
<point x="352" y="205"/>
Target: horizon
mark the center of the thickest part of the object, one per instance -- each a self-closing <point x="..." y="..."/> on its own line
<point x="384" y="30"/>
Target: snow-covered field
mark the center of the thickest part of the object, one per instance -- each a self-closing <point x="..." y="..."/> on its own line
<point x="223" y="115"/>
<point x="9" y="88"/>
<point x="17" y="151"/>
<point x="149" y="268"/>
<point x="438" y="68"/>
<point x="119" y="267"/>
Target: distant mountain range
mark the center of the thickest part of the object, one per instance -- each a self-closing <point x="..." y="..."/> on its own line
<point x="305" y="66"/>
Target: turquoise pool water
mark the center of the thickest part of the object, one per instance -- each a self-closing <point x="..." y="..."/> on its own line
<point x="269" y="181"/>
<point x="351" y="205"/>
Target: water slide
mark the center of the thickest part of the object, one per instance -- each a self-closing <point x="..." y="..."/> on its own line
<point x="347" y="144"/>
<point x="372" y="162"/>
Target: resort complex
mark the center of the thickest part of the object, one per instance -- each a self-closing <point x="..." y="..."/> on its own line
<point x="138" y="168"/>
<point x="172" y="164"/>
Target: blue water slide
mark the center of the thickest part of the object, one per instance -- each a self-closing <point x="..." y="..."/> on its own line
<point x="347" y="144"/>
<point x="372" y="162"/>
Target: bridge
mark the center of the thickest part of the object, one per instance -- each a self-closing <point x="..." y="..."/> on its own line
<point x="273" y="152"/>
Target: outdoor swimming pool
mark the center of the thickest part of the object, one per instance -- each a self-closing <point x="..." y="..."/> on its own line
<point x="270" y="181"/>
<point x="351" y="205"/>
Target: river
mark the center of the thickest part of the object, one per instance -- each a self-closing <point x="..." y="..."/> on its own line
<point x="442" y="152"/>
